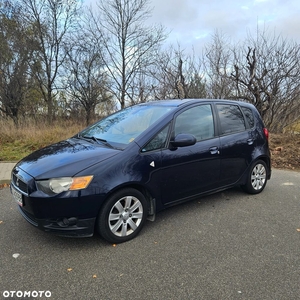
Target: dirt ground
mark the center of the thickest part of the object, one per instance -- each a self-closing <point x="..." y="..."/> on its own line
<point x="285" y="150"/>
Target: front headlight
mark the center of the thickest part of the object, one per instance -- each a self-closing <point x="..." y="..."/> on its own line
<point x="63" y="184"/>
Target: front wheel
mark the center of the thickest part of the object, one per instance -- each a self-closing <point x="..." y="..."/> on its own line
<point x="122" y="216"/>
<point x="257" y="178"/>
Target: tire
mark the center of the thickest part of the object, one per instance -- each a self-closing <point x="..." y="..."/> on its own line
<point x="122" y="216"/>
<point x="257" y="178"/>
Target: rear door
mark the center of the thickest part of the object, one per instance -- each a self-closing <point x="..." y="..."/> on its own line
<point x="236" y="143"/>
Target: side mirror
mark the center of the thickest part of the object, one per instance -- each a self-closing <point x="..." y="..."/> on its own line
<point x="183" y="140"/>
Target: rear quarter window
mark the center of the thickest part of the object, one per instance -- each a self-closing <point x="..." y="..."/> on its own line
<point x="249" y="116"/>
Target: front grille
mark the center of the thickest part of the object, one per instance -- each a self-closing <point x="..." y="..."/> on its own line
<point x="20" y="184"/>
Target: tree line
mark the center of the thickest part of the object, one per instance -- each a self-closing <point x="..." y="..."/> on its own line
<point x="60" y="58"/>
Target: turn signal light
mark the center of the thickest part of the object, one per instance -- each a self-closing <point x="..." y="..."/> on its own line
<point x="80" y="182"/>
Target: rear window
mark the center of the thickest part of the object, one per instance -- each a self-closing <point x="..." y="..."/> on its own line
<point x="231" y="118"/>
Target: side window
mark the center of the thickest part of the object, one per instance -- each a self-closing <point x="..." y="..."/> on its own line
<point x="197" y="121"/>
<point x="158" y="141"/>
<point x="249" y="116"/>
<point x="231" y="118"/>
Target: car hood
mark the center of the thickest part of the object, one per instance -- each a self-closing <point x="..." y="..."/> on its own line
<point x="65" y="158"/>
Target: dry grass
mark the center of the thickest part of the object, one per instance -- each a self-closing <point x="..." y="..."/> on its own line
<point x="293" y="128"/>
<point x="15" y="143"/>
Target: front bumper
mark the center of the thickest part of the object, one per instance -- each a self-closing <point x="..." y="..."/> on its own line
<point x="69" y="227"/>
<point x="70" y="214"/>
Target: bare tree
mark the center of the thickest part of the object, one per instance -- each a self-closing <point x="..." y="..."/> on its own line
<point x="218" y="58"/>
<point x="50" y="22"/>
<point x="14" y="78"/>
<point x="267" y="74"/>
<point x="197" y="86"/>
<point x="86" y="81"/>
<point x="165" y="75"/>
<point x="129" y="44"/>
<point x="178" y="75"/>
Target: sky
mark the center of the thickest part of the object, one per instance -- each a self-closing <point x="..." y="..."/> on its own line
<point x="193" y="22"/>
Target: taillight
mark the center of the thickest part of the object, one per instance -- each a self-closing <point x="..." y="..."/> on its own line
<point x="266" y="133"/>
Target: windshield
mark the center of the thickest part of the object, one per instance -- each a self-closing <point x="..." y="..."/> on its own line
<point x="124" y="126"/>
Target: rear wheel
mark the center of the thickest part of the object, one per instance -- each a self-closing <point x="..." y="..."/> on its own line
<point x="257" y="178"/>
<point x="122" y="216"/>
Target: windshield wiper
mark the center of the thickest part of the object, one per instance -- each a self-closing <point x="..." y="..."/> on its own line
<point x="103" y="141"/>
<point x="97" y="140"/>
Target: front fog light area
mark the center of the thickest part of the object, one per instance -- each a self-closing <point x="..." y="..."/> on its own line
<point x="63" y="184"/>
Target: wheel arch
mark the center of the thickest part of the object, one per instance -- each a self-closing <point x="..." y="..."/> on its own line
<point x="267" y="161"/>
<point x="255" y="185"/>
<point x="142" y="189"/>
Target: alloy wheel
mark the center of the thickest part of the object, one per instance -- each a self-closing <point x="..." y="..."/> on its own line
<point x="258" y="177"/>
<point x="125" y="216"/>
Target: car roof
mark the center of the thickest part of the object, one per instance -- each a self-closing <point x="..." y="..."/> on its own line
<point x="180" y="102"/>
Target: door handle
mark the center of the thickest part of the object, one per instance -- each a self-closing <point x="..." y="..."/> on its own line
<point x="250" y="141"/>
<point x="214" y="150"/>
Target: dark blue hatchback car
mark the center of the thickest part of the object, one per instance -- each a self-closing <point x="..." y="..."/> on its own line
<point x="122" y="170"/>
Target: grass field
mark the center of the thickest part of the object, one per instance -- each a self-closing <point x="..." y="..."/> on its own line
<point x="15" y="143"/>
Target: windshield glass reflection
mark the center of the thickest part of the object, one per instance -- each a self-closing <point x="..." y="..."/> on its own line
<point x="124" y="126"/>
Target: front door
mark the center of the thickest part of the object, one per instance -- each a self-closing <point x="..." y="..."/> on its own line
<point x="192" y="170"/>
